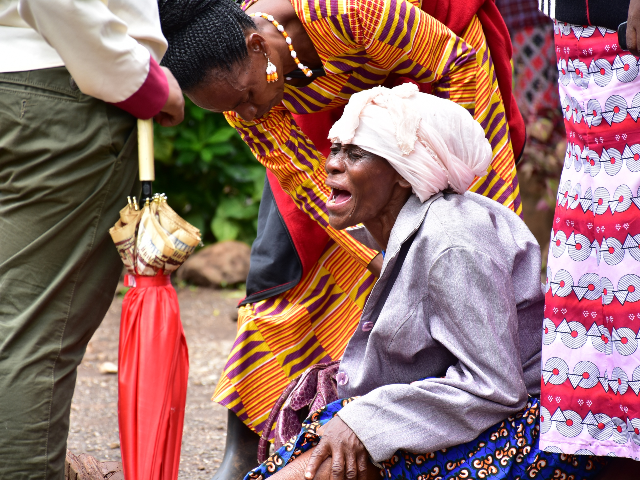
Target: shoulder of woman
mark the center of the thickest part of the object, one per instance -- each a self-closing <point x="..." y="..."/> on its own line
<point x="460" y="221"/>
<point x="476" y="223"/>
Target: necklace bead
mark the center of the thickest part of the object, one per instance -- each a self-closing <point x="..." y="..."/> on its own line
<point x="307" y="71"/>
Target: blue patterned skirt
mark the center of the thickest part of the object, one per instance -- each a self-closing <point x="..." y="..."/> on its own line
<point x="507" y="451"/>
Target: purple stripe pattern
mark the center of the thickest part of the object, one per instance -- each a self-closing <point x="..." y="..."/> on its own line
<point x="311" y="359"/>
<point x="316" y="291"/>
<point x="300" y="351"/>
<point x="242" y="351"/>
<point x="319" y="315"/>
<point x="244" y="365"/>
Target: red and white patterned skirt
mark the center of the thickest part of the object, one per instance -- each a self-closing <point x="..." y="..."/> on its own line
<point x="590" y="355"/>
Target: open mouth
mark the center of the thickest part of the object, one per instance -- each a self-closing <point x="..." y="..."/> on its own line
<point x="339" y="197"/>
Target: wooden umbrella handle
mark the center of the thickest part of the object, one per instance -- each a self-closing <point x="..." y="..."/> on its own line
<point x="145" y="150"/>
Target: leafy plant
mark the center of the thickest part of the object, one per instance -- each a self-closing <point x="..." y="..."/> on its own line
<point x="209" y="175"/>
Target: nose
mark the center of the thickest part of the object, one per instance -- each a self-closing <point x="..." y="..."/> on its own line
<point x="334" y="163"/>
<point x="247" y="112"/>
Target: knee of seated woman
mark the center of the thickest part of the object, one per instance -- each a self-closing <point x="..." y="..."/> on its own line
<point x="296" y="469"/>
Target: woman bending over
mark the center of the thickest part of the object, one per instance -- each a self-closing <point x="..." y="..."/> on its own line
<point x="308" y="282"/>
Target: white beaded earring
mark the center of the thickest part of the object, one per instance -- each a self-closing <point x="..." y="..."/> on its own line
<point x="269" y="18"/>
<point x="272" y="72"/>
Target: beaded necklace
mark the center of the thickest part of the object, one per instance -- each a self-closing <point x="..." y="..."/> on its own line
<point x="306" y="70"/>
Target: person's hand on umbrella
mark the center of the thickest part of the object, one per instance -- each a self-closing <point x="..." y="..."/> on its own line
<point x="349" y="456"/>
<point x="173" y="111"/>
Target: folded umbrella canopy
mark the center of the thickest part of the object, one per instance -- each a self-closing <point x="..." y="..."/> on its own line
<point x="153" y="360"/>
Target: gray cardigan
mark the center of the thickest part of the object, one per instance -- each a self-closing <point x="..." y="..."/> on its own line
<point x="456" y="347"/>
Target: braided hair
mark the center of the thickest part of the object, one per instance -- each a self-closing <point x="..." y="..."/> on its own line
<point x="205" y="37"/>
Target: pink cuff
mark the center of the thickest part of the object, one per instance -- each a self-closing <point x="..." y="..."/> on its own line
<point x="150" y="97"/>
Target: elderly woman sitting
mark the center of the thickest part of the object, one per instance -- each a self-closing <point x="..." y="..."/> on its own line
<point x="441" y="377"/>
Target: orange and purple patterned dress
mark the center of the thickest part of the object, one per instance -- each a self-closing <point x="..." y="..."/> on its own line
<point x="361" y="43"/>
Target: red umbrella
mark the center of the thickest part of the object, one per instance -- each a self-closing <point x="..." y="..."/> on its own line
<point x="153" y="360"/>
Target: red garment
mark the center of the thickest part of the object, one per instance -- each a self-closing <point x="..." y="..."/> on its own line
<point x="149" y="99"/>
<point x="518" y="14"/>
<point x="153" y="369"/>
<point x="300" y="226"/>
<point x="309" y="238"/>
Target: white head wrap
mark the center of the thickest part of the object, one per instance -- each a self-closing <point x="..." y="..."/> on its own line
<point x="433" y="143"/>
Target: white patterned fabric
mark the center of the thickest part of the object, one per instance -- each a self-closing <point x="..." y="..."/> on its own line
<point x="590" y="355"/>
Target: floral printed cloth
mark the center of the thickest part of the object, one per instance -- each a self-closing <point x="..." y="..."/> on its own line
<point x="507" y="451"/>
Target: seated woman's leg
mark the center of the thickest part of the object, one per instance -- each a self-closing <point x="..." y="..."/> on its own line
<point x="505" y="451"/>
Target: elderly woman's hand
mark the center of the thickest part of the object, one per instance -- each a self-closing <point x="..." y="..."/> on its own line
<point x="349" y="457"/>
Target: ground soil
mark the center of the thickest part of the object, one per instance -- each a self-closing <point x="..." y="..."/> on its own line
<point x="208" y="317"/>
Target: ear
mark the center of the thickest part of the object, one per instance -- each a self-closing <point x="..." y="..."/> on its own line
<point x="257" y="44"/>
<point x="402" y="182"/>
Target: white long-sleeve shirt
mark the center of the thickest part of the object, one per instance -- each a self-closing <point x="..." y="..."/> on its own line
<point x="111" y="48"/>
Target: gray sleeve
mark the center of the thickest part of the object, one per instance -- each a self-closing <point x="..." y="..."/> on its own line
<point x="470" y="309"/>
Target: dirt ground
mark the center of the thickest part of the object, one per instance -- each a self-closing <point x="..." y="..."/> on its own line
<point x="208" y="317"/>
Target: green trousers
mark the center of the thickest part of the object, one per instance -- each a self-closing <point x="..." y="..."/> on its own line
<point x="67" y="163"/>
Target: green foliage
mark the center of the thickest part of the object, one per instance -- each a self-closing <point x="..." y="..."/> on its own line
<point x="210" y="176"/>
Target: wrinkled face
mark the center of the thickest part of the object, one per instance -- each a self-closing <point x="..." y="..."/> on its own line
<point x="243" y="90"/>
<point x="362" y="185"/>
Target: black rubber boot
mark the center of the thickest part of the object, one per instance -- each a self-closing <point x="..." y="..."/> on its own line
<point x="240" y="451"/>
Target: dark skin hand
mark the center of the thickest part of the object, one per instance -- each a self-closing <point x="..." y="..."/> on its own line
<point x="296" y="469"/>
<point x="349" y="458"/>
<point x="633" y="28"/>
<point x="173" y="111"/>
<point x="375" y="266"/>
<point x="245" y="89"/>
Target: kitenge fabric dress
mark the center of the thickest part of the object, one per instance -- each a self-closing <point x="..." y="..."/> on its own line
<point x="508" y="450"/>
<point x="362" y="43"/>
<point x="590" y="355"/>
